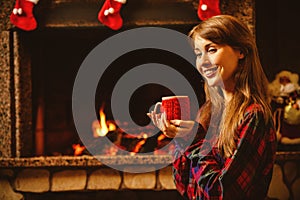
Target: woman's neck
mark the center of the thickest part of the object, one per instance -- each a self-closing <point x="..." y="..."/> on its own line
<point x="228" y="93"/>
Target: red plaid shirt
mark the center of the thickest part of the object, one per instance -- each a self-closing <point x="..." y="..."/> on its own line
<point x="245" y="175"/>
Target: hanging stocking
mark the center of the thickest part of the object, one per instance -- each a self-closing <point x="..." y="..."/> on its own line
<point x="22" y="15"/>
<point x="208" y="8"/>
<point x="109" y="14"/>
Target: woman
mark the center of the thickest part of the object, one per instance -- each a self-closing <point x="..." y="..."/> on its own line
<point x="236" y="160"/>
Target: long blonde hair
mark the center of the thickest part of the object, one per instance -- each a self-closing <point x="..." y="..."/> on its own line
<point x="250" y="80"/>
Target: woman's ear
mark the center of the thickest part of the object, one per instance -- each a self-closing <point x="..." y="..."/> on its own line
<point x="239" y="52"/>
<point x="241" y="55"/>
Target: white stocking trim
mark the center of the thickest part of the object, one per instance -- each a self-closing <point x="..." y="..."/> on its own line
<point x="121" y="1"/>
<point x="33" y="1"/>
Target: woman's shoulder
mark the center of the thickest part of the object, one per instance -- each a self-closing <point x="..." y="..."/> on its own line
<point x="255" y="111"/>
<point x="258" y="113"/>
<point x="254" y="116"/>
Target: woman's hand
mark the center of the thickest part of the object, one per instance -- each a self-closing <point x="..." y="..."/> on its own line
<point x="171" y="128"/>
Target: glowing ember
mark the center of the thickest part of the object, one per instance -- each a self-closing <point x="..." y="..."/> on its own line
<point x="161" y="137"/>
<point x="138" y="146"/>
<point x="145" y="136"/>
<point x="102" y="127"/>
<point x="78" y="149"/>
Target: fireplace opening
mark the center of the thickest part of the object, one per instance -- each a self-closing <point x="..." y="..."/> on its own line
<point x="56" y="56"/>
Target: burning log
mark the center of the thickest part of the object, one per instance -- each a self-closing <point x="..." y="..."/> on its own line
<point x="131" y="140"/>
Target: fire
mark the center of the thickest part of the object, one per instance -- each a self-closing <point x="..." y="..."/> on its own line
<point x="102" y="127"/>
<point x="78" y="149"/>
<point x="139" y="145"/>
<point x="131" y="139"/>
<point x="122" y="139"/>
<point x="161" y="137"/>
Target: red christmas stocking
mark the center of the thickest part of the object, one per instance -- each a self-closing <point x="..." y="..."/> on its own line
<point x="208" y="8"/>
<point x="109" y="14"/>
<point x="22" y="16"/>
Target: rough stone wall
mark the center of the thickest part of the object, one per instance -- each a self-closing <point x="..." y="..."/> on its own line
<point x="6" y="119"/>
<point x="5" y="10"/>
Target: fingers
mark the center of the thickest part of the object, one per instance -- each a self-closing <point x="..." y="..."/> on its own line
<point x="176" y="122"/>
<point x="171" y="128"/>
<point x="171" y="131"/>
<point x="183" y="123"/>
<point x="157" y="120"/>
<point x="183" y="127"/>
<point x="164" y="120"/>
<point x="161" y="122"/>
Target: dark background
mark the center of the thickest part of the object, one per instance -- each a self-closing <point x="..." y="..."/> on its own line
<point x="278" y="35"/>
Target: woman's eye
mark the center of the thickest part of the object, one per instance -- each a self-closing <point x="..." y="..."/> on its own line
<point x="199" y="55"/>
<point x="212" y="50"/>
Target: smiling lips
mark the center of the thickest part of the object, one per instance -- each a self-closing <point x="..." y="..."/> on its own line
<point x="210" y="72"/>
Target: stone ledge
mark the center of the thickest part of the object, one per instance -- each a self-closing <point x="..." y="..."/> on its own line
<point x="86" y="161"/>
<point x="90" y="161"/>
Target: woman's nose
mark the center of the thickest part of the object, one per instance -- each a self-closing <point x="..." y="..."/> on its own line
<point x="204" y="62"/>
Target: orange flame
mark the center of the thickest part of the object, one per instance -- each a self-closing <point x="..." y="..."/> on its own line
<point x="139" y="145"/>
<point x="78" y="149"/>
<point x="161" y="137"/>
<point x="102" y="127"/>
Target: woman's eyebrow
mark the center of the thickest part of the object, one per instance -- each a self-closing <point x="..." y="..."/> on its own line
<point x="205" y="47"/>
<point x="208" y="45"/>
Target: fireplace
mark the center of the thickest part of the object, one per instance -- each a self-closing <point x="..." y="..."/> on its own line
<point x="38" y="137"/>
<point x="45" y="63"/>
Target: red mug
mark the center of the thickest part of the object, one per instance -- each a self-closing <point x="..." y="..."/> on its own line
<point x="175" y="107"/>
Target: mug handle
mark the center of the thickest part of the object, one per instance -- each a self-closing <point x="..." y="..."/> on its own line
<point x="157" y="106"/>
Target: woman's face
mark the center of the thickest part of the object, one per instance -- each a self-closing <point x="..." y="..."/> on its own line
<point x="216" y="63"/>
